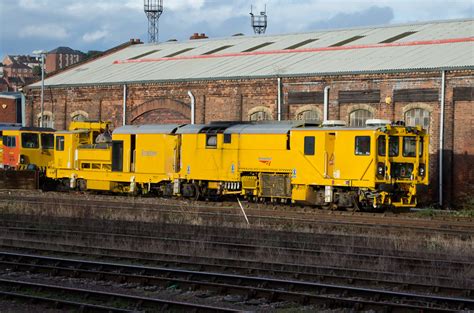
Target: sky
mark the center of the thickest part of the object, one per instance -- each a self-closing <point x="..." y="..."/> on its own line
<point x="28" y="25"/>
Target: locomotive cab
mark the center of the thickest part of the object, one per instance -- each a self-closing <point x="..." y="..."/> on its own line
<point x="27" y="148"/>
<point x="402" y="159"/>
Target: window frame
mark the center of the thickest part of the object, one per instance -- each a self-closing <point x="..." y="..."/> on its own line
<point x="212" y="145"/>
<point x="7" y="141"/>
<point x="390" y="154"/>
<point x="413" y="139"/>
<point x="309" y="145"/>
<point x="354" y="117"/>
<point x="59" y="143"/>
<point x="356" y="145"/>
<point x="43" y="136"/>
<point x="23" y="140"/>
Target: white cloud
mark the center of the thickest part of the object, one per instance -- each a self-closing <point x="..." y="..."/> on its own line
<point x="46" y="31"/>
<point x="94" y="36"/>
<point x="183" y="4"/>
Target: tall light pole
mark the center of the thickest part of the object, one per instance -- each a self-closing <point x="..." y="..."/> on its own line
<point x="41" y="53"/>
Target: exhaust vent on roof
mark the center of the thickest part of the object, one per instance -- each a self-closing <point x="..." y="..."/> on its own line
<point x="345" y="42"/>
<point x="377" y="122"/>
<point x="217" y="50"/>
<point x="397" y="37"/>
<point x="300" y="44"/>
<point x="143" y="54"/>
<point x="178" y="52"/>
<point x="258" y="46"/>
<point x="334" y="123"/>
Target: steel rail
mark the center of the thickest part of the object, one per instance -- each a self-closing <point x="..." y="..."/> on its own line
<point x="138" y="302"/>
<point x="249" y="267"/>
<point x="273" y="289"/>
<point x="266" y="237"/>
<point x="241" y="249"/>
<point x="359" y="220"/>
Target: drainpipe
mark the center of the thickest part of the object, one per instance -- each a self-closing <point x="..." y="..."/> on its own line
<point x="23" y="110"/>
<point x="441" y="136"/>
<point x="326" y="103"/>
<point x="124" y="113"/>
<point x="279" y="99"/>
<point x="193" y="106"/>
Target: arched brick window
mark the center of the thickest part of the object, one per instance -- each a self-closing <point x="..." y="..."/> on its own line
<point x="260" y="114"/>
<point x="418" y="117"/>
<point x="79" y="116"/>
<point x="47" y="119"/>
<point x="358" y="118"/>
<point x="308" y="113"/>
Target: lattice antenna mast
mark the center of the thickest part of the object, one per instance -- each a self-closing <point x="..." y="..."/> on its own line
<point x="259" y="22"/>
<point x="153" y="10"/>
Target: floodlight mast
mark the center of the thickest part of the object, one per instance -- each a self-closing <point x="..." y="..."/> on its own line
<point x="259" y="22"/>
<point x="153" y="10"/>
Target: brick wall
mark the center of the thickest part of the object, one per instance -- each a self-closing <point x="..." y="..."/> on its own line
<point x="8" y="110"/>
<point x="235" y="99"/>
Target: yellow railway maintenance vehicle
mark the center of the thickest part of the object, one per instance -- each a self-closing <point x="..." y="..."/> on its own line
<point x="337" y="167"/>
<point x="27" y="147"/>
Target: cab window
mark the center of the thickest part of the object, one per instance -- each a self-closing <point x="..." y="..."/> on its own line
<point x="211" y="141"/>
<point x="362" y="145"/>
<point x="59" y="143"/>
<point x="409" y="147"/>
<point x="47" y="141"/>
<point x="9" y="141"/>
<point x="309" y="145"/>
<point x="29" y="140"/>
<point x="393" y="146"/>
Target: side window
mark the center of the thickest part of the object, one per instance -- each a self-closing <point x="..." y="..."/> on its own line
<point x="227" y="138"/>
<point x="9" y="141"/>
<point x="211" y="141"/>
<point x="59" y="143"/>
<point x="30" y="140"/>
<point x="362" y="145"/>
<point x="47" y="141"/>
<point x="309" y="145"/>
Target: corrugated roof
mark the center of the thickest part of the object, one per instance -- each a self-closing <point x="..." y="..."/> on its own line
<point x="423" y="46"/>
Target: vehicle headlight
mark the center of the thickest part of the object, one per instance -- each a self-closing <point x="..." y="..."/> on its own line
<point x="421" y="170"/>
<point x="22" y="159"/>
<point x="381" y="169"/>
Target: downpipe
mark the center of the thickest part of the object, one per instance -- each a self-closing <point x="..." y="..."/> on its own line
<point x="326" y="103"/>
<point x="441" y="137"/>
<point x="193" y="106"/>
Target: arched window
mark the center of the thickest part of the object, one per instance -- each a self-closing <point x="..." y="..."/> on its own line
<point x="358" y="118"/>
<point x="47" y="119"/>
<point x="308" y="115"/>
<point x="418" y="117"/>
<point x="260" y="113"/>
<point x="79" y="116"/>
<point x="259" y="116"/>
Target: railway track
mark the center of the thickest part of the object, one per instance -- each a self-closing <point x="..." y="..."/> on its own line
<point x="239" y="249"/>
<point x="88" y="300"/>
<point x="314" y="245"/>
<point x="302" y="292"/>
<point x="257" y="214"/>
<point x="334" y="275"/>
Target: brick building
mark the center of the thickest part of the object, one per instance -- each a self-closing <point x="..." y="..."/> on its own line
<point x="413" y="72"/>
<point x="62" y="57"/>
<point x="10" y="107"/>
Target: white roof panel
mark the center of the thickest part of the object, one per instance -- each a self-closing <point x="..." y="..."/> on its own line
<point x="418" y="51"/>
